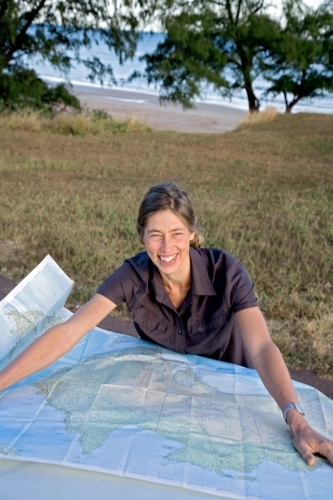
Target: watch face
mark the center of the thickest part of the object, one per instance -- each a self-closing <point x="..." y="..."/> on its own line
<point x="299" y="409"/>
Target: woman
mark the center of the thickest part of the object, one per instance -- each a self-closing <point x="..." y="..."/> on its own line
<point x="193" y="300"/>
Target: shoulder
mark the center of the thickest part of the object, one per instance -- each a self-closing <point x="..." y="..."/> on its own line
<point x="126" y="280"/>
<point x="224" y="270"/>
<point x="134" y="268"/>
<point x="217" y="259"/>
<point x="216" y="269"/>
<point x="230" y="278"/>
<point x="139" y="262"/>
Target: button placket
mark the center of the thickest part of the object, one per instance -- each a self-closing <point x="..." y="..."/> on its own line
<point x="180" y="335"/>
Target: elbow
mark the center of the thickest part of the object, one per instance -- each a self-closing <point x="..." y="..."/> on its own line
<point x="59" y="339"/>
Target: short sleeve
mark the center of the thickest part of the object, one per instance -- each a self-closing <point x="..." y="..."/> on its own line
<point x="241" y="288"/>
<point x="121" y="285"/>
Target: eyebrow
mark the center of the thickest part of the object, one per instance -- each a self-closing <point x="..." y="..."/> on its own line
<point x="159" y="231"/>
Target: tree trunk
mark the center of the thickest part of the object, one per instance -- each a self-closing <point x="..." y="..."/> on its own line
<point x="292" y="103"/>
<point x="254" y="103"/>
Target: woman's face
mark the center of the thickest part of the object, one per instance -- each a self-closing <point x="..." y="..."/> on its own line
<point x="167" y="241"/>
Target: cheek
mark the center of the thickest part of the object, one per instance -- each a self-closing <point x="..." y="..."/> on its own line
<point x="150" y="247"/>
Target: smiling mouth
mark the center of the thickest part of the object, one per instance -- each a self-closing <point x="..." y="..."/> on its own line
<point x="168" y="259"/>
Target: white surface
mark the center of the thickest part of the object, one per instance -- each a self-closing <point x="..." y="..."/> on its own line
<point x="31" y="481"/>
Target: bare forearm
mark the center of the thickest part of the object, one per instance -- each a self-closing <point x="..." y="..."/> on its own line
<point x="269" y="363"/>
<point x="56" y="341"/>
<point x="266" y="356"/>
<point x="275" y="375"/>
<point x="41" y="353"/>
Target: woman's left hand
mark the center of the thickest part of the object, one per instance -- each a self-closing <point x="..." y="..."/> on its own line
<point x="307" y="441"/>
<point x="269" y="363"/>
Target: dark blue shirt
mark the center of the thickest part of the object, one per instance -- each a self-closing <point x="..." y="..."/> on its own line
<point x="205" y="322"/>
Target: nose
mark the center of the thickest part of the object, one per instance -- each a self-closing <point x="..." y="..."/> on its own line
<point x="166" y="244"/>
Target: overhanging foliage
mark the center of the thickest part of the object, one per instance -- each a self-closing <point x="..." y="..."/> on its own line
<point x="57" y="30"/>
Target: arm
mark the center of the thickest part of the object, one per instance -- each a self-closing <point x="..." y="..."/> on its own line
<point x="56" y="341"/>
<point x="268" y="362"/>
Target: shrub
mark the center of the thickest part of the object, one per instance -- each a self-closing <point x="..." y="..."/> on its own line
<point x="21" y="88"/>
<point x="269" y="114"/>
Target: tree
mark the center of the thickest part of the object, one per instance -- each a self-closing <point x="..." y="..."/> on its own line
<point x="300" y="65"/>
<point x="216" y="42"/>
<point x="22" y="88"/>
<point x="56" y="30"/>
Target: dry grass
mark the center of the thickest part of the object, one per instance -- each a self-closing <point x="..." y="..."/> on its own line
<point x="306" y="343"/>
<point x="263" y="193"/>
<point x="21" y="120"/>
<point x="268" y="115"/>
<point x="88" y="123"/>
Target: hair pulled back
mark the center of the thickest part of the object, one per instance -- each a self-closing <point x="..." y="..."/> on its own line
<point x="169" y="196"/>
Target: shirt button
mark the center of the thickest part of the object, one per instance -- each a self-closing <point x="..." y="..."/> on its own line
<point x="180" y="332"/>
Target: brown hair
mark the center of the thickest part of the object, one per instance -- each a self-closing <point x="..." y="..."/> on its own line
<point x="169" y="196"/>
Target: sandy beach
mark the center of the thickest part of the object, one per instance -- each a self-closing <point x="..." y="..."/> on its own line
<point x="123" y="104"/>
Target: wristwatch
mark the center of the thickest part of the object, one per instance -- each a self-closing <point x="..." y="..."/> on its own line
<point x="292" y="406"/>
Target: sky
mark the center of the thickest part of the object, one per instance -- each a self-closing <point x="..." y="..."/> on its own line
<point x="275" y="11"/>
<point x="310" y="3"/>
<point x="313" y="3"/>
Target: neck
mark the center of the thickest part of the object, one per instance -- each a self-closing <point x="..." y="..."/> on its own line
<point x="177" y="287"/>
<point x="180" y="281"/>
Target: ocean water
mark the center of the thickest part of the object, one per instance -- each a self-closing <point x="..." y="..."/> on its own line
<point x="147" y="44"/>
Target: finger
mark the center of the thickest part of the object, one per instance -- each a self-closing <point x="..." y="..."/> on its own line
<point x="305" y="452"/>
<point x="326" y="450"/>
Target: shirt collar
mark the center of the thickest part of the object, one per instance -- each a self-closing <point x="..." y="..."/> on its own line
<point x="201" y="282"/>
<point x="156" y="285"/>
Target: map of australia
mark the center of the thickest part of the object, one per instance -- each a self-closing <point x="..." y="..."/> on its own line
<point x="139" y="387"/>
<point x="128" y="407"/>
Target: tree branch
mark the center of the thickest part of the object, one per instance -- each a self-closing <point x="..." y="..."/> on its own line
<point x="259" y="7"/>
<point x="238" y="10"/>
<point x="30" y="17"/>
<point x="3" y="8"/>
<point x="229" y="11"/>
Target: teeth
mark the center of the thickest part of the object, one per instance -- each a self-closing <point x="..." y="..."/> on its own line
<point x="167" y="259"/>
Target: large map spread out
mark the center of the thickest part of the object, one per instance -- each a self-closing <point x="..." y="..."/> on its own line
<point x="124" y="406"/>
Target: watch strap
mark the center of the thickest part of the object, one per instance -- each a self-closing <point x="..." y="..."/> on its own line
<point x="292" y="406"/>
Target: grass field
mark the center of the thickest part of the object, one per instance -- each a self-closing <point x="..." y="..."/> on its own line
<point x="263" y="192"/>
